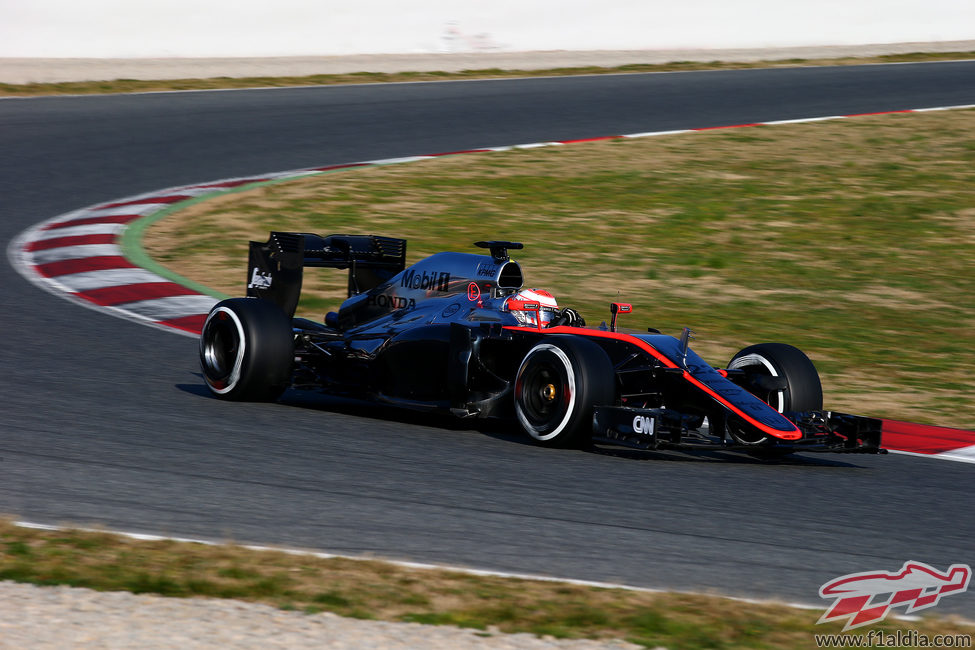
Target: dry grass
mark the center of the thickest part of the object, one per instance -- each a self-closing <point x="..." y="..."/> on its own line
<point x="374" y="589"/>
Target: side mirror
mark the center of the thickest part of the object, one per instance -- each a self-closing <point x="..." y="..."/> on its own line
<point x="617" y="308"/>
<point x="525" y="305"/>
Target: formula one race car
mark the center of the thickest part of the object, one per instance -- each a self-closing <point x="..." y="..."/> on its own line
<point x="458" y="332"/>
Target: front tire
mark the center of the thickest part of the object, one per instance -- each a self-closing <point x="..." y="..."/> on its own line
<point x="799" y="388"/>
<point x="803" y="390"/>
<point x="559" y="382"/>
<point x="247" y="350"/>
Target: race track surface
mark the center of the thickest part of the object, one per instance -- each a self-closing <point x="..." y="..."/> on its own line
<point x="107" y="422"/>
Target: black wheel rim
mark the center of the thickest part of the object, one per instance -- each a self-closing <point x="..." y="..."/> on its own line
<point x="221" y="344"/>
<point x="755" y="368"/>
<point x="743" y="433"/>
<point x="543" y="392"/>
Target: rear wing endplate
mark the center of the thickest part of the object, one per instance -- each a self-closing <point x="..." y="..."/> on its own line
<point x="275" y="267"/>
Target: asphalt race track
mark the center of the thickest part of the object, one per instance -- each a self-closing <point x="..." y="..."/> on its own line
<point x="107" y="422"/>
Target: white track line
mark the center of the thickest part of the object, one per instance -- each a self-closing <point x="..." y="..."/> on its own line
<point x="165" y="309"/>
<point x="78" y="231"/>
<point x="78" y="282"/>
<point x="75" y="252"/>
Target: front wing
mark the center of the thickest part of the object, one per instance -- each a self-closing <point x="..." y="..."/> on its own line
<point x="822" y="431"/>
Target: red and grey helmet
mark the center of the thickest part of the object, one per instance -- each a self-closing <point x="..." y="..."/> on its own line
<point x="547" y="307"/>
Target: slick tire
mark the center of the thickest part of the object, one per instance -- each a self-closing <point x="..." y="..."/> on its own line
<point x="803" y="390"/>
<point x="247" y="350"/>
<point x="558" y="383"/>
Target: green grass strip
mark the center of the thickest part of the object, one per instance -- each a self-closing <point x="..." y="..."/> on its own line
<point x="131" y="245"/>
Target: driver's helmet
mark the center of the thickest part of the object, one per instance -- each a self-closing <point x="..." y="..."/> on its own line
<point x="546" y="301"/>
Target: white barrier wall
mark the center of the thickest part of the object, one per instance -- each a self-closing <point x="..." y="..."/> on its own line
<point x="247" y="28"/>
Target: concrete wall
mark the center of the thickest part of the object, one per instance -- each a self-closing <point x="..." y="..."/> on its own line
<point x="246" y="28"/>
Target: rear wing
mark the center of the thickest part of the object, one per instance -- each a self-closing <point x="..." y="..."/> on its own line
<point x="275" y="268"/>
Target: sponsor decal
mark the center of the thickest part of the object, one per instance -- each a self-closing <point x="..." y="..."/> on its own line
<point x="428" y="281"/>
<point x="643" y="425"/>
<point x="391" y="302"/>
<point x="473" y="292"/>
<point x="486" y="270"/>
<point x="260" y="280"/>
<point x="450" y="310"/>
<point x="522" y="305"/>
<point x="863" y="598"/>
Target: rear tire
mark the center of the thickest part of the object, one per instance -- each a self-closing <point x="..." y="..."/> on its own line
<point x="247" y="350"/>
<point x="559" y="382"/>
